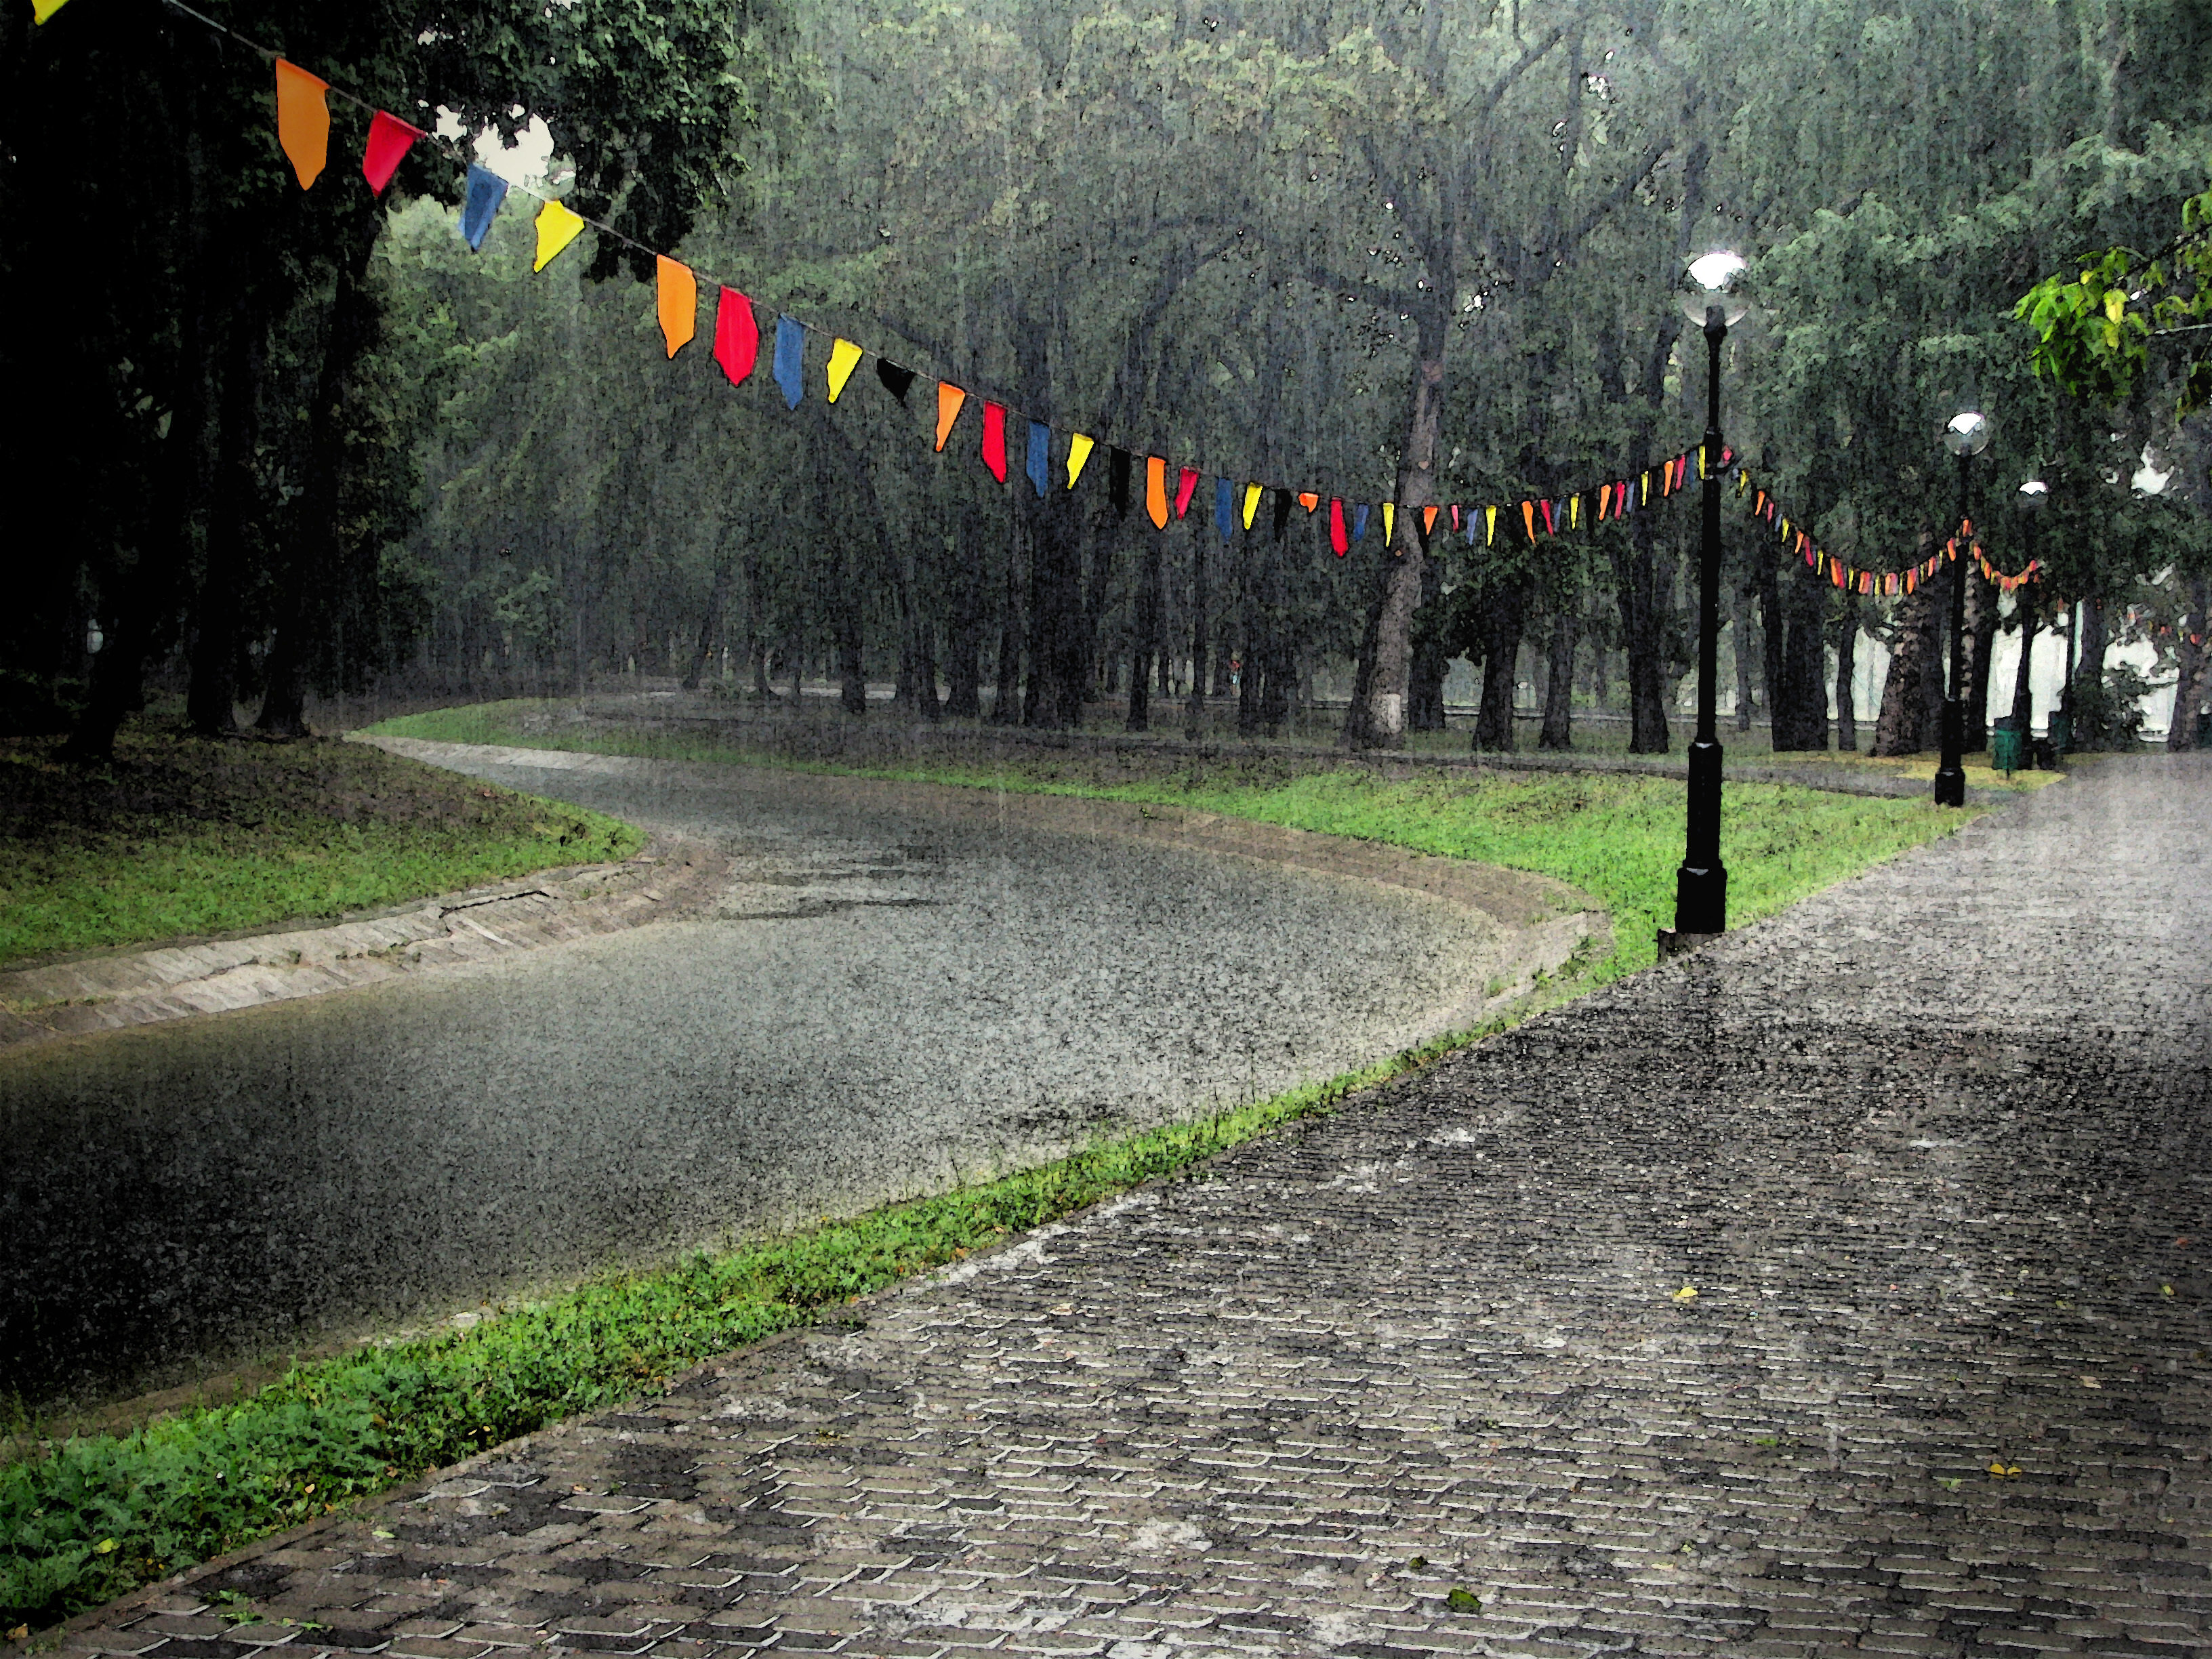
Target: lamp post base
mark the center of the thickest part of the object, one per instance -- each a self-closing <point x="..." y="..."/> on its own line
<point x="1700" y="900"/>
<point x="1951" y="776"/>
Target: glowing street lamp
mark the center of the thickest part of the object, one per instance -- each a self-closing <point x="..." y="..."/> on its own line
<point x="1967" y="436"/>
<point x="1711" y="295"/>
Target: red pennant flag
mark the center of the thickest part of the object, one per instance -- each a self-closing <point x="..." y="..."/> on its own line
<point x="1455" y="526"/>
<point x="1337" y="537"/>
<point x="1809" y="554"/>
<point x="390" y="138"/>
<point x="736" y="336"/>
<point x="994" y="438"/>
<point x="1550" y="528"/>
<point x="1184" y="487"/>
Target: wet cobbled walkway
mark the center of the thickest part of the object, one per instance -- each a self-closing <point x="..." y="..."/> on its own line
<point x="1838" y="1290"/>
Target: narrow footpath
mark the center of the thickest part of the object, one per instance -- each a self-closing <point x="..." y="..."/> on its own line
<point x="1840" y="1289"/>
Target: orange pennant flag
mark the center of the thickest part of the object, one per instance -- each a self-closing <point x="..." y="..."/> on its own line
<point x="303" y="120"/>
<point x="1156" y="490"/>
<point x="1528" y="521"/>
<point x="1428" y="519"/>
<point x="678" y="300"/>
<point x="1309" y="500"/>
<point x="948" y="399"/>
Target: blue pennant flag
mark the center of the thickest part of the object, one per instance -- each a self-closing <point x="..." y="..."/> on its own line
<point x="1040" y="459"/>
<point x="1359" y="522"/>
<point x="1225" y="508"/>
<point x="790" y="353"/>
<point x="487" y="189"/>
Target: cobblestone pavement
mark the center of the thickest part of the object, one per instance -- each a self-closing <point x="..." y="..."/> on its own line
<point x="1838" y="1289"/>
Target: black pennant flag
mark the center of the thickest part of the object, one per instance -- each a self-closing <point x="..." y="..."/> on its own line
<point x="897" y="381"/>
<point x="1282" y="512"/>
<point x="1117" y="481"/>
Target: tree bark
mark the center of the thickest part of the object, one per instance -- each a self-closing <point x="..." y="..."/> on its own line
<point x="1847" y="644"/>
<point x="1376" y="718"/>
<point x="212" y="703"/>
<point x="1637" y="589"/>
<point x="1147" y="652"/>
<point x="2192" y="686"/>
<point x="1902" y="728"/>
<point x="1739" y="630"/>
<point x="1504" y="609"/>
<point x="1800" y="714"/>
<point x="1432" y="664"/>
<point x="1773" y="636"/>
<point x="963" y="662"/>
<point x="1194" y="722"/>
<point x="2023" y="687"/>
<point x="1559" y="679"/>
<point x="1058" y="654"/>
<point x="314" y="531"/>
<point x="710" y="617"/>
<point x="1005" y="701"/>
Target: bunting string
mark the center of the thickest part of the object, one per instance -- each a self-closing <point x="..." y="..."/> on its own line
<point x="1762" y="504"/>
<point x="303" y="125"/>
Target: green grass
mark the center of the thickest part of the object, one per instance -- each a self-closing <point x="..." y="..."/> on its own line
<point x="90" y="1519"/>
<point x="183" y="836"/>
<point x="1617" y="836"/>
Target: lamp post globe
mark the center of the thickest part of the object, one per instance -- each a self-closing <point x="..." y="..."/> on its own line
<point x="1966" y="435"/>
<point x="1712" y="294"/>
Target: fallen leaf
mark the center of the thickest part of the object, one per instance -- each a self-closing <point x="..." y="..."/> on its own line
<point x="1463" y="1600"/>
<point x="2091" y="1383"/>
<point x="2002" y="1470"/>
<point x="1687" y="1293"/>
<point x="2166" y="1290"/>
<point x="19" y="1633"/>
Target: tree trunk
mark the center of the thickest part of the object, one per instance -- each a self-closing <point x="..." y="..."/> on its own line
<point x="1800" y="714"/>
<point x="1559" y="679"/>
<point x="1773" y="637"/>
<point x="1193" y="723"/>
<point x="1902" y="728"/>
<point x="315" y="530"/>
<point x="1376" y="718"/>
<point x="1637" y="587"/>
<point x="1425" y="709"/>
<point x="1005" y="701"/>
<point x="1740" y="631"/>
<point x="211" y="704"/>
<point x="1847" y="646"/>
<point x="2023" y="688"/>
<point x="2089" y="673"/>
<point x="710" y="617"/>
<point x="2192" y="686"/>
<point x="1058" y="654"/>
<point x="963" y="663"/>
<point x="1981" y="647"/>
<point x="1148" y="650"/>
<point x="1504" y="609"/>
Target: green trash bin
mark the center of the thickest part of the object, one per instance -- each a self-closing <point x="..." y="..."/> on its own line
<point x="2004" y="748"/>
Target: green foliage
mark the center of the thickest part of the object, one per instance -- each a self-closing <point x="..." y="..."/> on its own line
<point x="2094" y="331"/>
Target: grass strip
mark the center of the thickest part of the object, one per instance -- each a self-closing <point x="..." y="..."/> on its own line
<point x="183" y="836"/>
<point x="96" y="1517"/>
<point x="1617" y="836"/>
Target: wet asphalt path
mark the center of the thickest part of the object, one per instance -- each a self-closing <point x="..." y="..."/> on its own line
<point x="880" y="1004"/>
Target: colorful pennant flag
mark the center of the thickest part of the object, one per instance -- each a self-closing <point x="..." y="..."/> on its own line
<point x="1282" y="512"/>
<point x="1252" y="493"/>
<point x="1078" y="451"/>
<point x="1156" y="490"/>
<point x="1184" y="487"/>
<point x="1225" y="508"/>
<point x="390" y="138"/>
<point x="303" y="120"/>
<point x="1040" y="455"/>
<point x="790" y="365"/>
<point x="1528" y="521"/>
<point x="1389" y="523"/>
<point x="479" y="205"/>
<point x="844" y="358"/>
<point x="994" y="438"/>
<point x="1359" y="522"/>
<point x="1118" y="461"/>
<point x="677" y="302"/>
<point x="1490" y="526"/>
<point x="948" y="399"/>
<point x="1309" y="500"/>
<point x="42" y="9"/>
<point x="897" y="381"/>
<point x="1428" y="524"/>
<point x="557" y="227"/>
<point x="736" y="336"/>
<point x="1339" y="542"/>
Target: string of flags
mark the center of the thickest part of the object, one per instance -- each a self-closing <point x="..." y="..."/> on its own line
<point x="303" y="130"/>
<point x="1761" y="504"/>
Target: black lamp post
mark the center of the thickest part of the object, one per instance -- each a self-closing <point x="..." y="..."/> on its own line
<point x="1712" y="296"/>
<point x="2033" y="496"/>
<point x="1967" y="436"/>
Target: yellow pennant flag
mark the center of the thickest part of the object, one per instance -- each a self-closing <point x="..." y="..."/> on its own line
<point x="557" y="227"/>
<point x="1490" y="526"/>
<point x="42" y="9"/>
<point x="844" y="358"/>
<point x="678" y="299"/>
<point x="1389" y="522"/>
<point x="303" y="120"/>
<point x="1574" y="513"/>
<point x="1252" y="494"/>
<point x="1078" y="451"/>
